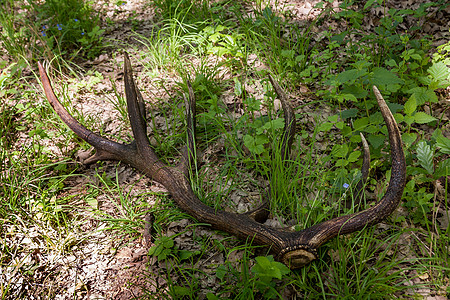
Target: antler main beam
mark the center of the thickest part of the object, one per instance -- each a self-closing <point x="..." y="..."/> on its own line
<point x="295" y="249"/>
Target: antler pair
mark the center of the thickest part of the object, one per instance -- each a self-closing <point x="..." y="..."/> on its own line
<point x="295" y="249"/>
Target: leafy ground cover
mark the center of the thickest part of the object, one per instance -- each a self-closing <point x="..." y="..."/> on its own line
<point x="70" y="231"/>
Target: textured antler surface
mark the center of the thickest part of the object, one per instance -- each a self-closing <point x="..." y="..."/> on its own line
<point x="295" y="249"/>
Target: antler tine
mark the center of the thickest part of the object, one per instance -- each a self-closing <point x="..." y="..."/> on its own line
<point x="365" y="165"/>
<point x="359" y="191"/>
<point x="136" y="108"/>
<point x="289" y="119"/>
<point x="317" y="235"/>
<point x="364" y="171"/>
<point x="105" y="148"/>
<point x="190" y="149"/>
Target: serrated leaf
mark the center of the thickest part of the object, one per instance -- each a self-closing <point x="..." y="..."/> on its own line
<point x="394" y="107"/>
<point x="443" y="169"/>
<point x="333" y="118"/>
<point x="440" y="72"/>
<point x="442" y="142"/>
<point x="409" y="119"/>
<point x="349" y="113"/>
<point x="274" y="124"/>
<point x="350" y="76"/>
<point x="409" y="138"/>
<point x="339" y="125"/>
<point x="263" y="262"/>
<point x="425" y="156"/>
<point x="376" y="140"/>
<point x="423" y="118"/>
<point x="423" y="95"/>
<point x="360" y="123"/>
<point x="341" y="162"/>
<point x="381" y="76"/>
<point x="185" y="254"/>
<point x="340" y="151"/>
<point x="398" y="118"/>
<point x="255" y="145"/>
<point x="354" y="156"/>
<point x="350" y="97"/>
<point x="410" y="105"/>
<point x="325" y="126"/>
<point x="355" y="90"/>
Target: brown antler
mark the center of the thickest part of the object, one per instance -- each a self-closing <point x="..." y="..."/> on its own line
<point x="295" y="249"/>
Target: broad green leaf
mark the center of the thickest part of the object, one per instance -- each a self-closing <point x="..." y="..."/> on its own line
<point x="325" y="126"/>
<point x="340" y="151"/>
<point x="381" y="76"/>
<point x="416" y="56"/>
<point x="442" y="142"/>
<point x="350" y="97"/>
<point x="423" y="95"/>
<point x="350" y="76"/>
<point x="376" y="140"/>
<point x="391" y="63"/>
<point x="409" y="119"/>
<point x="341" y="162"/>
<point x="443" y="169"/>
<point x="152" y="250"/>
<point x="423" y="118"/>
<point x="167" y="242"/>
<point x="369" y="4"/>
<point x="425" y="156"/>
<point x="409" y="138"/>
<point x="398" y="118"/>
<point x="181" y="291"/>
<point x="371" y="129"/>
<point x="440" y="73"/>
<point x="355" y="90"/>
<point x="376" y="118"/>
<point x="186" y="254"/>
<point x="339" y="125"/>
<point x="349" y="113"/>
<point x="410" y="105"/>
<point x="394" y="107"/>
<point x="360" y="123"/>
<point x="263" y="262"/>
<point x="354" y="156"/>
<point x="211" y="296"/>
<point x="333" y="118"/>
<point x="272" y="124"/>
<point x="255" y="145"/>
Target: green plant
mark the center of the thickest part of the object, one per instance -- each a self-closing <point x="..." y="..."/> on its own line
<point x="165" y="248"/>
<point x="69" y="27"/>
<point x="222" y="44"/>
<point x="267" y="272"/>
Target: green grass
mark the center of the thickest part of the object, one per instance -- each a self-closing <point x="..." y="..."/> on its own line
<point x="219" y="47"/>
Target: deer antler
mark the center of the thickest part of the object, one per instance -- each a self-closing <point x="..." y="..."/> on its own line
<point x="295" y="249"/>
